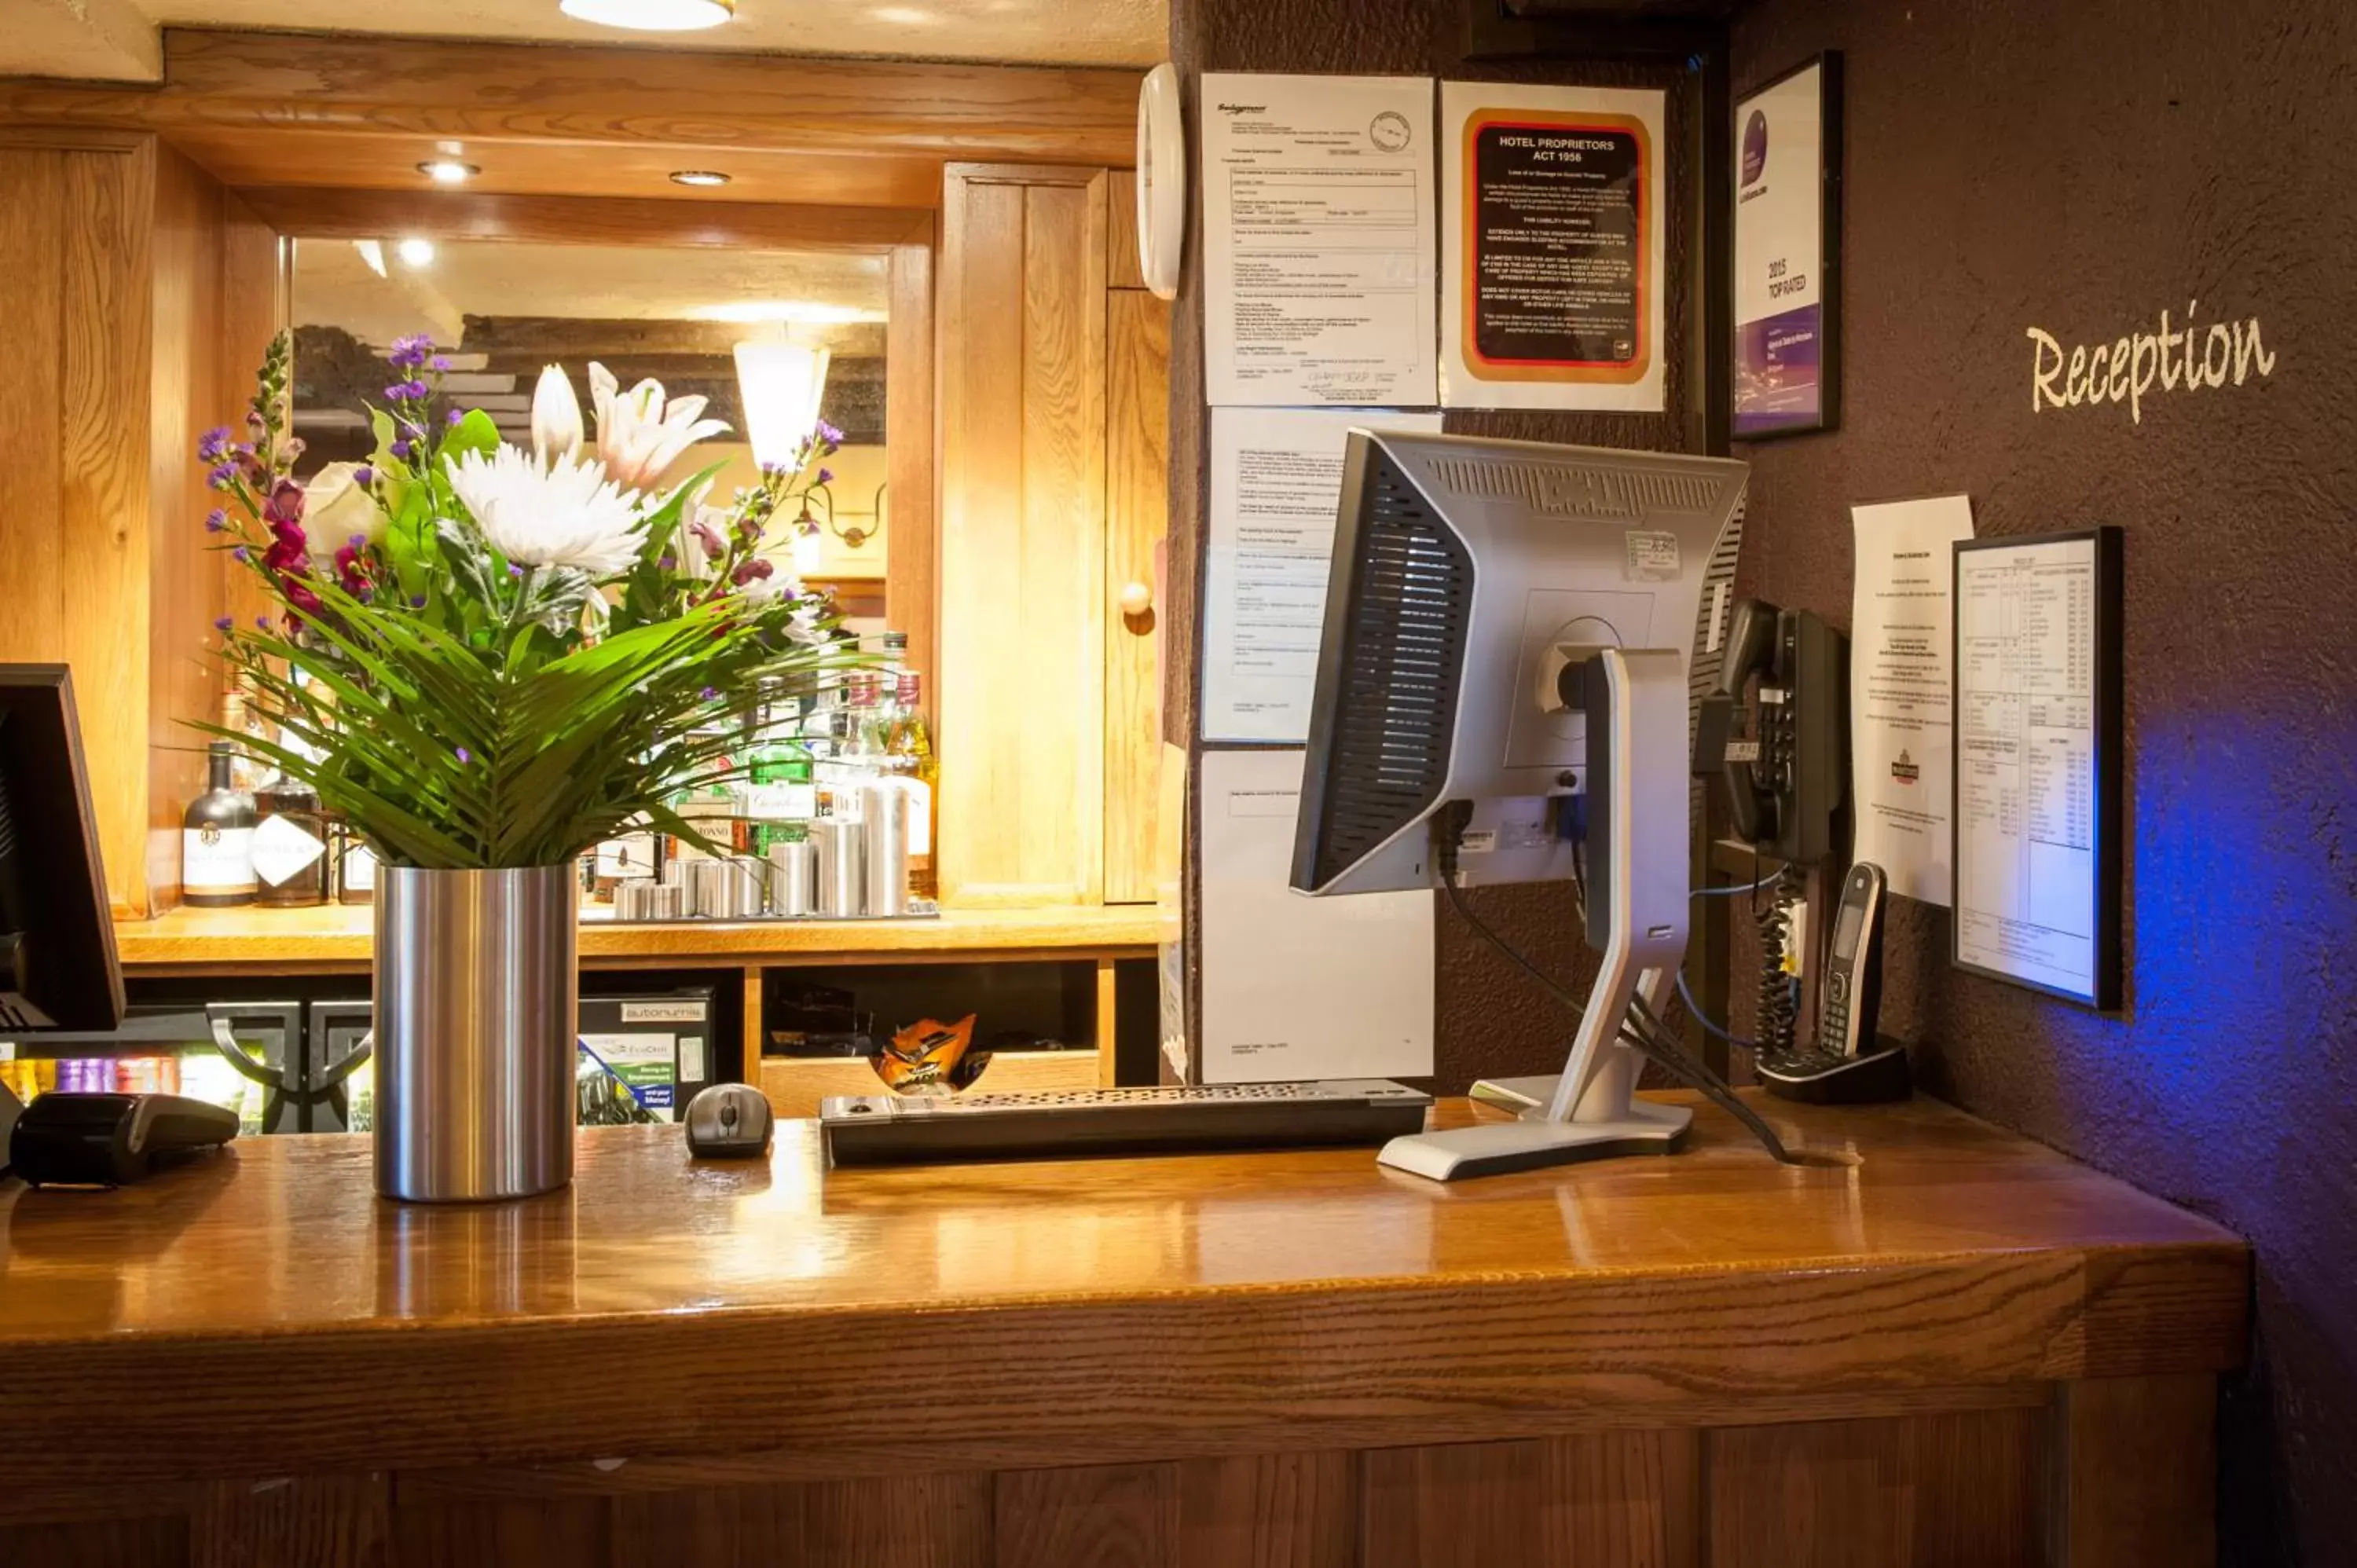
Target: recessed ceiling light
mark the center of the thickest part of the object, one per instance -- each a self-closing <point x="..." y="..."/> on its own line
<point x="447" y="171"/>
<point x="415" y="251"/>
<point x="652" y="15"/>
<point x="902" y="16"/>
<point x="698" y="176"/>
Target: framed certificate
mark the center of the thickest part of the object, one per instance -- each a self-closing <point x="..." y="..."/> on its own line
<point x="2037" y="762"/>
<point x="1787" y="274"/>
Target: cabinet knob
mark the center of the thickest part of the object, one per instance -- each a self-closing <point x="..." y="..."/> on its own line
<point x="1136" y="599"/>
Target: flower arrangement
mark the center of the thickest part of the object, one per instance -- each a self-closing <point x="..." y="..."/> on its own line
<point x="490" y="658"/>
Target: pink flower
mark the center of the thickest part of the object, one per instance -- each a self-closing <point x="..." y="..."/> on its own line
<point x="285" y="504"/>
<point x="642" y="432"/>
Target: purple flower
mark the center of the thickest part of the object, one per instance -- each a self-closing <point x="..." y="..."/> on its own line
<point x="411" y="351"/>
<point x="222" y="476"/>
<point x="417" y="601"/>
<point x="826" y="476"/>
<point x="402" y="449"/>
<point x="365" y="476"/>
<point x="213" y="444"/>
<point x="216" y="521"/>
<point x="710" y="693"/>
<point x="667" y="561"/>
<point x="398" y="391"/>
<point x="262" y="623"/>
<point x="439" y="364"/>
<point x="463" y="754"/>
<point x="357" y="541"/>
<point x="457" y="414"/>
<point x="224" y="624"/>
<point x="829" y="433"/>
<point x="514" y="570"/>
<point x="242" y="555"/>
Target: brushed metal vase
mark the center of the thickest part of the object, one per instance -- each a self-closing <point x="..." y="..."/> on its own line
<point x="476" y="1017"/>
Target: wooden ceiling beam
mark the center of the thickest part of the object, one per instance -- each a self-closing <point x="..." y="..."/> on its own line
<point x="268" y="82"/>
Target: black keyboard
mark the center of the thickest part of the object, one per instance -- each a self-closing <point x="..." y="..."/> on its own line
<point x="896" y="1129"/>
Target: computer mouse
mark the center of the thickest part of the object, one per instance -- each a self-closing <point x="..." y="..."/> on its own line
<point x="728" y="1122"/>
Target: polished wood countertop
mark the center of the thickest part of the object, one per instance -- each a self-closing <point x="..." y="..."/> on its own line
<point x="264" y="1313"/>
<point x="337" y="935"/>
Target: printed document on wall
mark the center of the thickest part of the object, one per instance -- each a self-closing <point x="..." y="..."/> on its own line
<point x="1277" y="479"/>
<point x="1902" y="691"/>
<point x="1294" y="987"/>
<point x="1317" y="239"/>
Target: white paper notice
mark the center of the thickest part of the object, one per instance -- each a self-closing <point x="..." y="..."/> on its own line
<point x="1277" y="479"/>
<point x="2027" y="899"/>
<point x="1902" y="694"/>
<point x="1296" y="987"/>
<point x="1317" y="239"/>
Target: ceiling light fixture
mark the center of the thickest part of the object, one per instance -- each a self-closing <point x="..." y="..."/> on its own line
<point x="415" y="251"/>
<point x="652" y="15"/>
<point x="698" y="176"/>
<point x="447" y="171"/>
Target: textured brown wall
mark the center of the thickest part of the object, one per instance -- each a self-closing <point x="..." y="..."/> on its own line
<point x="1491" y="1019"/>
<point x="2079" y="167"/>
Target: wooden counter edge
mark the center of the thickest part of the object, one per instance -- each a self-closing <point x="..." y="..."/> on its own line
<point x="182" y="942"/>
<point x="1352" y="1363"/>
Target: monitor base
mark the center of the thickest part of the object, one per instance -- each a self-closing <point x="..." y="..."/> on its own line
<point x="1494" y="1148"/>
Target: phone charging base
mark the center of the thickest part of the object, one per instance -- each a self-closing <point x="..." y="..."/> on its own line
<point x="1870" y="1078"/>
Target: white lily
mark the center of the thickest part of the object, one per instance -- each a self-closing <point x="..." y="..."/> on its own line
<point x="556" y="428"/>
<point x="640" y="433"/>
<point x="337" y="506"/>
<point x="562" y="514"/>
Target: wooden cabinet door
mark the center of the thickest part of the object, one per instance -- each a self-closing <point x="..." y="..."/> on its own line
<point x="1021" y="300"/>
<point x="1137" y="439"/>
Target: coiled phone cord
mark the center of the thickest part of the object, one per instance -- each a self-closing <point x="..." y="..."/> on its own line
<point x="1778" y="1025"/>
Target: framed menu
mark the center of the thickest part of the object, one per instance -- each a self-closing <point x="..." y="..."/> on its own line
<point x="2037" y="762"/>
<point x="1787" y="273"/>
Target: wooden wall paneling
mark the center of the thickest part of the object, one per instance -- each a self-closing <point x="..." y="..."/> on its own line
<point x="911" y="433"/>
<point x="1614" y="1500"/>
<point x="360" y="214"/>
<point x="74" y="414"/>
<point x="186" y="586"/>
<point x="1137" y="436"/>
<point x="1269" y="1510"/>
<point x="512" y="1532"/>
<point x="153" y="1542"/>
<point x="301" y="1521"/>
<point x="1954" y="1490"/>
<point x="1105" y="1516"/>
<point x="2134" y="1472"/>
<point x="1122" y="268"/>
<point x="1021" y="300"/>
<point x="920" y="1522"/>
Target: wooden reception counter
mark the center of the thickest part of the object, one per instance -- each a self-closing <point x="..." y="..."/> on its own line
<point x="1935" y="1344"/>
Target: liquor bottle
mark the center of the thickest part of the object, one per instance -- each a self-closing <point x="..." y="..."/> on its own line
<point x="908" y="752"/>
<point x="355" y="863"/>
<point x="290" y="846"/>
<point x="782" y="785"/>
<point x="217" y="837"/>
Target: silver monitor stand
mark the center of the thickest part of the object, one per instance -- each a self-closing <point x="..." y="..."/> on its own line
<point x="1639" y="844"/>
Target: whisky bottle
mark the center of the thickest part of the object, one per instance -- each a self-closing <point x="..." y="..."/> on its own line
<point x="290" y="846"/>
<point x="217" y="837"/>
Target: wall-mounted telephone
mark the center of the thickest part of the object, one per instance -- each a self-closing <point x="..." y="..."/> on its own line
<point x="1788" y="783"/>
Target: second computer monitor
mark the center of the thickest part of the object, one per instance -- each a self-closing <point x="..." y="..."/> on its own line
<point x="1468" y="575"/>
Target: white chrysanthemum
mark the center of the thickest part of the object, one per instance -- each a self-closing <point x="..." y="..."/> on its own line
<point x="560" y="513"/>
